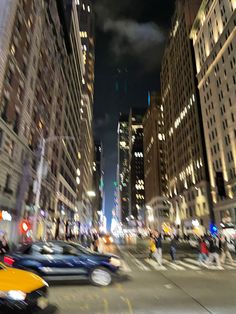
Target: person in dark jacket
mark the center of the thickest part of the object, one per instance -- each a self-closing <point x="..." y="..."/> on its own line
<point x="4" y="247"/>
<point x="158" y="253"/>
<point x="214" y="251"/>
<point x="173" y="246"/>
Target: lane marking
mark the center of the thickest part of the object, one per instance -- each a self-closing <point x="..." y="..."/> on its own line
<point x="168" y="286"/>
<point x="188" y="265"/>
<point x="139" y="264"/>
<point x="127" y="301"/>
<point x="155" y="265"/>
<point x="119" y="287"/>
<point x="106" y="307"/>
<point x="125" y="267"/>
<point x="173" y="265"/>
<point x="228" y="266"/>
<point x="192" y="261"/>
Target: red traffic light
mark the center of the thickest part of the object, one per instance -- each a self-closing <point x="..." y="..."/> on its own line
<point x="24" y="226"/>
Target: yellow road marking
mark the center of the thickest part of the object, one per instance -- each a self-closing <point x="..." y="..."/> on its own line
<point x="106" y="307"/>
<point x="119" y="287"/>
<point x="127" y="301"/>
<point x="129" y="306"/>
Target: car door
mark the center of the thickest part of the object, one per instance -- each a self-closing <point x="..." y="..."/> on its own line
<point x="74" y="262"/>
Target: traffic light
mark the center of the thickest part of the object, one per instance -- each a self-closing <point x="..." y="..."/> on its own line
<point x="24" y="226"/>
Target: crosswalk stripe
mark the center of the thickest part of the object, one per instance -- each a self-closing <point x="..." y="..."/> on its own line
<point x="212" y="267"/>
<point x="188" y="265"/>
<point x="226" y="266"/>
<point x="231" y="264"/>
<point x="192" y="261"/>
<point x="155" y="265"/>
<point x="125" y="267"/>
<point x="139" y="264"/>
<point x="173" y="265"/>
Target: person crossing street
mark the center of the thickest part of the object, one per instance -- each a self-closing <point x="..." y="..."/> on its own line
<point x="152" y="245"/>
<point x="158" y="252"/>
<point x="225" y="250"/>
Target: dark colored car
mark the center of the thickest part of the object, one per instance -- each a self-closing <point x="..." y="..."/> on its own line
<point x="58" y="260"/>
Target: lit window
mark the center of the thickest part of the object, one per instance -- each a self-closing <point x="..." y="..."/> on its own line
<point x="83" y="6"/>
<point x="88" y="8"/>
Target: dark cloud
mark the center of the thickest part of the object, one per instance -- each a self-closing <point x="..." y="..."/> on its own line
<point x="130" y="37"/>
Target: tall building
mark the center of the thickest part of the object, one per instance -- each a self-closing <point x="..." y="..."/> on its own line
<point x="123" y="167"/>
<point x="186" y="165"/>
<point x="157" y="208"/>
<point x="214" y="39"/>
<point x="86" y="25"/>
<point x="32" y="89"/>
<point x="98" y="184"/>
<point x="136" y="164"/>
<point x="41" y="97"/>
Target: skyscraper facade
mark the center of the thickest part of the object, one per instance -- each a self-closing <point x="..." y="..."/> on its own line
<point x="98" y="184"/>
<point x="42" y="75"/>
<point x="214" y="39"/>
<point x="186" y="165"/>
<point x="136" y="164"/>
<point x="157" y="209"/>
<point x="123" y="167"/>
<point x="86" y="18"/>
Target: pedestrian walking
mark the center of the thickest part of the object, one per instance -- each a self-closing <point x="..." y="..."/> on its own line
<point x="4" y="247"/>
<point x="214" y="251"/>
<point x="158" y="252"/>
<point x="225" y="250"/>
<point x="203" y="250"/>
<point x="95" y="242"/>
<point x="173" y="247"/>
<point x="152" y="245"/>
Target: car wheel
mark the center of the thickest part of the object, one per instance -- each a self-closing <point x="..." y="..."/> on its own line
<point x="100" y="277"/>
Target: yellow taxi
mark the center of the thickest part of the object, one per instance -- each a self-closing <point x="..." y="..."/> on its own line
<point x="21" y="290"/>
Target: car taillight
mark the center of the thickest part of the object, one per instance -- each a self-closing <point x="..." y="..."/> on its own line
<point x="8" y="260"/>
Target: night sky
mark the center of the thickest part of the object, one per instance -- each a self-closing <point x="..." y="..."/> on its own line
<point x="130" y="39"/>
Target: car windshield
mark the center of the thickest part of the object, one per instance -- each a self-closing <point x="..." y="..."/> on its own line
<point x="81" y="248"/>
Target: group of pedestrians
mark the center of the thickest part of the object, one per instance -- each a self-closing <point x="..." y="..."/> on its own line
<point x="155" y="247"/>
<point x="214" y="248"/>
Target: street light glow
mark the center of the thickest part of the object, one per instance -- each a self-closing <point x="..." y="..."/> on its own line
<point x="91" y="193"/>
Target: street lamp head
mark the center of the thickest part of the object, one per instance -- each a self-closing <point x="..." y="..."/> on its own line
<point x="91" y="193"/>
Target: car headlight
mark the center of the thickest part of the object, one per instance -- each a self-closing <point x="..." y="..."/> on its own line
<point x="115" y="262"/>
<point x="16" y="295"/>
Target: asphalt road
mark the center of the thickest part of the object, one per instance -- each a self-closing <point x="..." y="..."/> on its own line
<point x="184" y="287"/>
